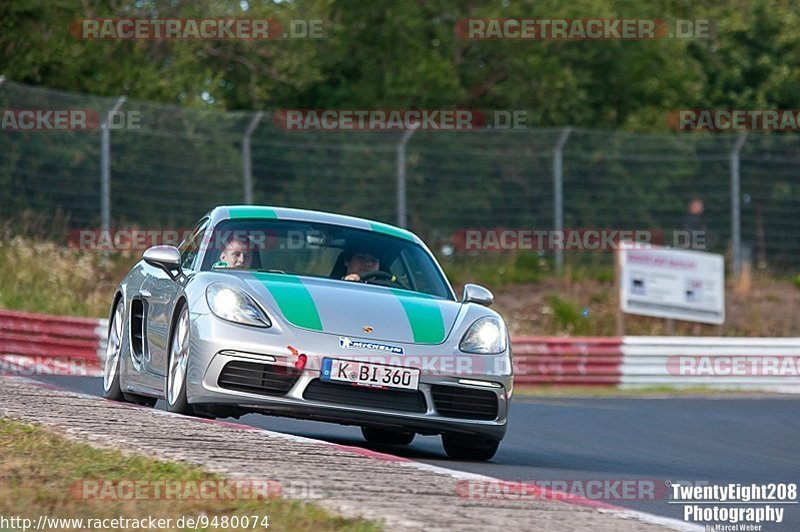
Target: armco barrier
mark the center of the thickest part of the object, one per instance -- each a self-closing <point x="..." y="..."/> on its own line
<point x="28" y="341"/>
<point x="630" y="361"/>
<point x="758" y="363"/>
<point x="569" y="361"/>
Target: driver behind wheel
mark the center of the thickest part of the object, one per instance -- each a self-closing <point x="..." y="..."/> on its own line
<point x="359" y="263"/>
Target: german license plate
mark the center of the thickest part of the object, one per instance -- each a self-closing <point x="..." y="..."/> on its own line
<point x="368" y="374"/>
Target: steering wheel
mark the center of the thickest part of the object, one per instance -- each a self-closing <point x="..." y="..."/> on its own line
<point x="380" y="276"/>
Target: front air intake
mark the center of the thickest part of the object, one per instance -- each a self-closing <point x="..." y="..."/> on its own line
<point x="254" y="377"/>
<point x="137" y="328"/>
<point x="362" y="396"/>
<point x="464" y="403"/>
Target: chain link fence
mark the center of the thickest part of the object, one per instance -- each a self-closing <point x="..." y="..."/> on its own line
<point x="176" y="163"/>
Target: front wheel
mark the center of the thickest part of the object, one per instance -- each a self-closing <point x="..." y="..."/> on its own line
<point x="112" y="388"/>
<point x="387" y="437"/>
<point x="111" y="364"/>
<point x="463" y="447"/>
<point x="176" y="368"/>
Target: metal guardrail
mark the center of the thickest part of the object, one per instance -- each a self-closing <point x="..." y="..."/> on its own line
<point x="628" y="361"/>
<point x="760" y="363"/>
<point x="636" y="361"/>
<point x="33" y="344"/>
<point x="568" y="361"/>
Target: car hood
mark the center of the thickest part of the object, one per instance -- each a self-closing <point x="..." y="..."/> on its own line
<point x="356" y="309"/>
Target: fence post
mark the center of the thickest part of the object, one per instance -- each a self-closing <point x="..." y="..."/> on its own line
<point x="247" y="160"/>
<point x="558" y="191"/>
<point x="736" y="220"/>
<point x="402" y="217"/>
<point x="105" y="167"/>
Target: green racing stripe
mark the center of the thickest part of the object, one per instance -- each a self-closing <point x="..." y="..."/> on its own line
<point x="293" y="299"/>
<point x="391" y="231"/>
<point x="424" y="316"/>
<point x="251" y="212"/>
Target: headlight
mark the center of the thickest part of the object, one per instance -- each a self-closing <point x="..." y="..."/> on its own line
<point x="487" y="336"/>
<point x="233" y="305"/>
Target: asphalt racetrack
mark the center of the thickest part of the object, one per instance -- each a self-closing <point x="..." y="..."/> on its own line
<point x="703" y="440"/>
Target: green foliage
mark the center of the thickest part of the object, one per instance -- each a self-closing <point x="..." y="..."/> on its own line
<point x="796" y="281"/>
<point x="36" y="47"/>
<point x="497" y="271"/>
<point x="603" y="274"/>
<point x="399" y="54"/>
<point x="567" y="315"/>
<point x="387" y="54"/>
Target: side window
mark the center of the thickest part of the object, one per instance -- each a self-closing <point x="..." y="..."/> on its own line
<point x="191" y="246"/>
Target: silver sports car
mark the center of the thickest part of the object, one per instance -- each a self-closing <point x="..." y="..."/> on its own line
<point x="311" y="315"/>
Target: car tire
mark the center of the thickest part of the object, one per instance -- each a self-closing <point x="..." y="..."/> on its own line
<point x="387" y="437"/>
<point x="463" y="447"/>
<point x="177" y="364"/>
<point x="112" y="360"/>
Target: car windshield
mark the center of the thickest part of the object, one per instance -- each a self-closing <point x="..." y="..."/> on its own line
<point x="323" y="250"/>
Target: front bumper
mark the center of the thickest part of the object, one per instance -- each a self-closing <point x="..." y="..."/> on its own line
<point x="437" y="406"/>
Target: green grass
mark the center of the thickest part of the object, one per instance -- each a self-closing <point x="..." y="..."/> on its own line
<point x="603" y="274"/>
<point x="499" y="270"/>
<point x="40" y="276"/>
<point x="568" y="316"/>
<point x="39" y="469"/>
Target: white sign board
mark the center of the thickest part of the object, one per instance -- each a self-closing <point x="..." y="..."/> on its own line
<point x="672" y="283"/>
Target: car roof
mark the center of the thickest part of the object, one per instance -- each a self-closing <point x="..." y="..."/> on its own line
<point x="232" y="212"/>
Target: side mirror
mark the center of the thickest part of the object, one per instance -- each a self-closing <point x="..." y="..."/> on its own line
<point x="474" y="293"/>
<point x="168" y="258"/>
